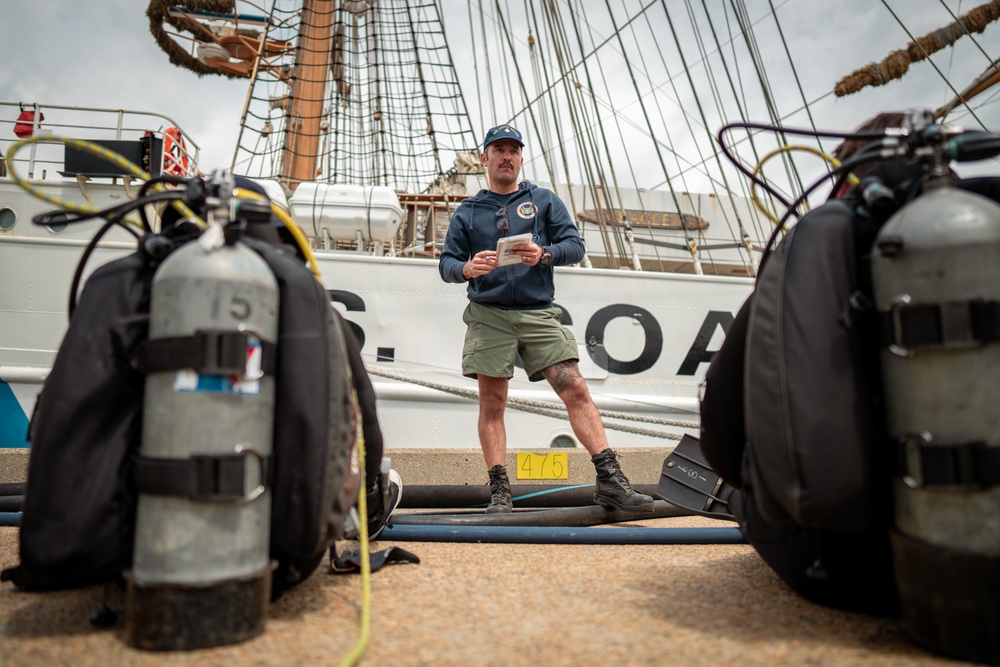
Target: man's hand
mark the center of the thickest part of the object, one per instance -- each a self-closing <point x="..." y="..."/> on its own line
<point x="530" y="253"/>
<point x="480" y="264"/>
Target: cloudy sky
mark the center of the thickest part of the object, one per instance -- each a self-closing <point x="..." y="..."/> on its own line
<point x="100" y="53"/>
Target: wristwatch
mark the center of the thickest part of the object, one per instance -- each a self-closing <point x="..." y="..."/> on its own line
<point x="545" y="259"/>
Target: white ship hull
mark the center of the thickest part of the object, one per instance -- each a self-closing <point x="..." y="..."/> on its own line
<point x="651" y="334"/>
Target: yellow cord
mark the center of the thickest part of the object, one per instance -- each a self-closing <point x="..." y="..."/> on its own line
<point x="88" y="147"/>
<point x="366" y="568"/>
<point x="300" y="238"/>
<point x="851" y="178"/>
<point x="117" y="159"/>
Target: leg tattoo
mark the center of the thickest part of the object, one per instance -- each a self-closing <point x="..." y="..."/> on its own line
<point x="561" y="374"/>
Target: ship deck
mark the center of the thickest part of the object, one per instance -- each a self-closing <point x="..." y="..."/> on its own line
<point x="510" y="604"/>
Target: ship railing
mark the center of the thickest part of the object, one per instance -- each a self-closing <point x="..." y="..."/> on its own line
<point x="425" y="223"/>
<point x="148" y="139"/>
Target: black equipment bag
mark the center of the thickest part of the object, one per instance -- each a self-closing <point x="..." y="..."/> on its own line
<point x="816" y="445"/>
<point x="79" y="511"/>
<point x="722" y="434"/>
<point x="79" y="505"/>
<point x="847" y="571"/>
<point x="316" y="423"/>
<point x="790" y="416"/>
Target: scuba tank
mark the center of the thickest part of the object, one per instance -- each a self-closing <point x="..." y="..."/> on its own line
<point x="936" y="275"/>
<point x="203" y="516"/>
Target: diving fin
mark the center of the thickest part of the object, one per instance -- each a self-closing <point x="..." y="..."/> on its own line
<point x="350" y="561"/>
<point x="690" y="483"/>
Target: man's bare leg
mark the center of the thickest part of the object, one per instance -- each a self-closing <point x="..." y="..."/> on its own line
<point x="493" y="440"/>
<point x="569" y="384"/>
<point x="492" y="432"/>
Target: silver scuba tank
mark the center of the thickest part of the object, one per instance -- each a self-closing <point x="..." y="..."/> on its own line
<point x="201" y="573"/>
<point x="936" y="275"/>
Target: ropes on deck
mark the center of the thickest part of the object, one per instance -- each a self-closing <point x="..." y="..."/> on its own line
<point x="547" y="408"/>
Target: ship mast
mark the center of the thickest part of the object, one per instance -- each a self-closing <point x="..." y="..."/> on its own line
<point x="308" y="92"/>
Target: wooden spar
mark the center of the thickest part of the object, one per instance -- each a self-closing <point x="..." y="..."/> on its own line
<point x="640" y="218"/>
<point x="299" y="156"/>
<point x="983" y="82"/>
<point x="898" y="62"/>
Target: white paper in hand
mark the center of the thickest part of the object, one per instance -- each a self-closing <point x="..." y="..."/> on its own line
<point x="505" y="249"/>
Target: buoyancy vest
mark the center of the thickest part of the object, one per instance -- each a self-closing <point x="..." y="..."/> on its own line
<point x="790" y="406"/>
<point x="79" y="510"/>
<point x="816" y="451"/>
<point x="791" y="416"/>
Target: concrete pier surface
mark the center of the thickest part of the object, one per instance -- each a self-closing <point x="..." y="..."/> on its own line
<point x="498" y="604"/>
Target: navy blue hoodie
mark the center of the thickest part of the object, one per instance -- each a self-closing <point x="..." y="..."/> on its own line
<point x="530" y="209"/>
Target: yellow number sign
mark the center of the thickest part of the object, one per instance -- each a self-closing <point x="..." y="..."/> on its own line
<point x="554" y="465"/>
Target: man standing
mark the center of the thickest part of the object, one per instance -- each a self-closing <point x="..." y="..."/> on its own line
<point x="510" y="312"/>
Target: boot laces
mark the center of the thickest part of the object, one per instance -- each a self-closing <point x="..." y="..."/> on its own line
<point x="499" y="496"/>
<point x="622" y="480"/>
<point x="618" y="476"/>
<point x="499" y="487"/>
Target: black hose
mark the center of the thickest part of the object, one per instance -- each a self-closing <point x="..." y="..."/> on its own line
<point x="524" y="495"/>
<point x="11" y="503"/>
<point x="12" y="489"/>
<point x="567" y="516"/>
<point x="562" y="535"/>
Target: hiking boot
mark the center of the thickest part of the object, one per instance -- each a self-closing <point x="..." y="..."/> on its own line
<point x="613" y="489"/>
<point x="500" y="502"/>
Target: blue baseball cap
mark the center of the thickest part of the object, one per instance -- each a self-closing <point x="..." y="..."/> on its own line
<point x="499" y="132"/>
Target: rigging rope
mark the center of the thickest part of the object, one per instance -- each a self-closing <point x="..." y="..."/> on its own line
<point x="994" y="65"/>
<point x="645" y="114"/>
<point x="739" y="243"/>
<point x="739" y="96"/>
<point x="553" y="101"/>
<point x="765" y="85"/>
<point x="502" y="25"/>
<point x="701" y="110"/>
<point x="927" y="55"/>
<point x="584" y="128"/>
<point x="389" y="74"/>
<point x="795" y="73"/>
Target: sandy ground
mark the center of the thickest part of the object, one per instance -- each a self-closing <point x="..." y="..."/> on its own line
<point x="500" y="604"/>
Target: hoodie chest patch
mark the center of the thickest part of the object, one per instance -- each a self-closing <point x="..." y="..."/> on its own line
<point x="526" y="211"/>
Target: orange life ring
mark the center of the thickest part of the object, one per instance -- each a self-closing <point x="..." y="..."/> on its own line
<point x="175" y="156"/>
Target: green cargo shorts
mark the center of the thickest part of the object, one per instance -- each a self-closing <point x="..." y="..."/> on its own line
<point x="494" y="336"/>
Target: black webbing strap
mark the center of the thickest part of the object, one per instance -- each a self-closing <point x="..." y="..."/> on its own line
<point x="971" y="465"/>
<point x="210" y="477"/>
<point x="908" y="326"/>
<point x="207" y="352"/>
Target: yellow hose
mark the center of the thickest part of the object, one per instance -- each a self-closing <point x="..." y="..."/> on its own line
<point x="366" y="567"/>
<point x="117" y="159"/>
<point x="300" y="238"/>
<point x="851" y="178"/>
<point x="366" y="589"/>
<point x="88" y="147"/>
